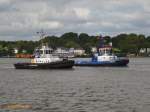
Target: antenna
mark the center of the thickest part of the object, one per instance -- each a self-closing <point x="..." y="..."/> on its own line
<point x="41" y="34"/>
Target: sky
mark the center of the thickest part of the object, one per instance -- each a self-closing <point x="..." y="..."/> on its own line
<point x="21" y="19"/>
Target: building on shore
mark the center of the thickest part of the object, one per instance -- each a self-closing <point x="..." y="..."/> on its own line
<point x="79" y="52"/>
<point x="64" y="52"/>
<point x="69" y="52"/>
<point x="93" y="49"/>
<point x="145" y="50"/>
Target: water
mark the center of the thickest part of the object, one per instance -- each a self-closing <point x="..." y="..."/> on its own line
<point x="81" y="89"/>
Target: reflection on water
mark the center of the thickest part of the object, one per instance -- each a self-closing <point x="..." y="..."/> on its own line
<point x="81" y="89"/>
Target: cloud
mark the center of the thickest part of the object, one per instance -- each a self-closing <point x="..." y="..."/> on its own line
<point x="82" y="13"/>
<point x="21" y="19"/>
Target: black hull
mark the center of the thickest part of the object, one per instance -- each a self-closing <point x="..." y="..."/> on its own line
<point x="53" y="65"/>
<point x="119" y="63"/>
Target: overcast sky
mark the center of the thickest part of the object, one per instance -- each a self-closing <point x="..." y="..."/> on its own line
<point x="21" y="19"/>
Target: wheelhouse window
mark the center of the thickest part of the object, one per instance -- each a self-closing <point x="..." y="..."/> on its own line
<point x="48" y="51"/>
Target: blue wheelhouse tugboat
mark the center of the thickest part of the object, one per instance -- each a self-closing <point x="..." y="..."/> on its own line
<point x="104" y="57"/>
<point x="44" y="58"/>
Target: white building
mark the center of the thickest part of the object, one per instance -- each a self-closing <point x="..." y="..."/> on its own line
<point x="94" y="49"/>
<point x="143" y="50"/>
<point x="64" y="52"/>
<point x="79" y="52"/>
<point x="16" y="50"/>
<point x="61" y="50"/>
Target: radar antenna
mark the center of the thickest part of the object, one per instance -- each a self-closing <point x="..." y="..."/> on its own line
<point x="42" y="35"/>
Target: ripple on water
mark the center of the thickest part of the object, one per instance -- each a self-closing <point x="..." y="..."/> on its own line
<point x="84" y="89"/>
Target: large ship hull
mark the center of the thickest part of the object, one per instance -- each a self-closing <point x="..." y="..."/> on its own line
<point x="53" y="65"/>
<point x="122" y="62"/>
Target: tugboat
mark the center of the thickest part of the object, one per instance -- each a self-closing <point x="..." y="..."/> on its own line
<point x="44" y="58"/>
<point x="104" y="57"/>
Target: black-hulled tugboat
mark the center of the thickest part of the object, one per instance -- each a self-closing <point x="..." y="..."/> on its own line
<point x="45" y="59"/>
<point x="104" y="57"/>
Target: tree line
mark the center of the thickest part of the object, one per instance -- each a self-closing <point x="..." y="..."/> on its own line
<point x="122" y="43"/>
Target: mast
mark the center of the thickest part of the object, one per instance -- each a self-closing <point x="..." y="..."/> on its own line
<point x="41" y="34"/>
<point x="100" y="42"/>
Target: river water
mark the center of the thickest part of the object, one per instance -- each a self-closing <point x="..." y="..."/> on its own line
<point x="81" y="89"/>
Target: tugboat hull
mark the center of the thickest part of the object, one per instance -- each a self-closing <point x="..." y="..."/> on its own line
<point x="53" y="65"/>
<point x="118" y="63"/>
